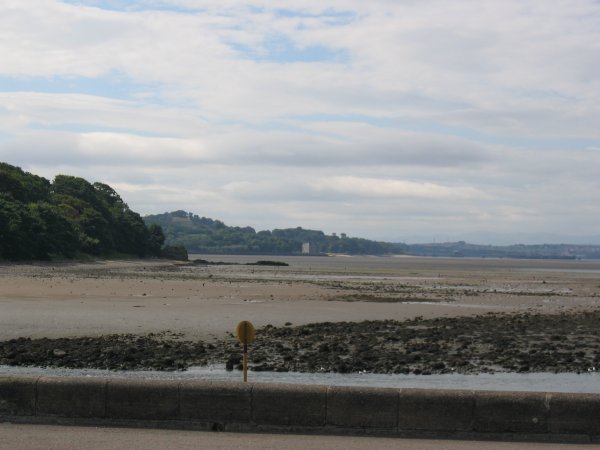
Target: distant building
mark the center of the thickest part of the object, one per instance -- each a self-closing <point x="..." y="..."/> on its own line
<point x="308" y="248"/>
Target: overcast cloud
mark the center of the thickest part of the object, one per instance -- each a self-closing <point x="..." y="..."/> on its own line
<point x="398" y="120"/>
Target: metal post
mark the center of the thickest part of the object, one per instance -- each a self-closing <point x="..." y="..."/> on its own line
<point x="245" y="363"/>
<point x="245" y="332"/>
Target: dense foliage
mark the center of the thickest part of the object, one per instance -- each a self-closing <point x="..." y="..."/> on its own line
<point x="68" y="217"/>
<point x="203" y="235"/>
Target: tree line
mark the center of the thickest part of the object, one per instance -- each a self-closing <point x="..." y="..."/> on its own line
<point x="67" y="218"/>
<point x="71" y="217"/>
<point x="205" y="235"/>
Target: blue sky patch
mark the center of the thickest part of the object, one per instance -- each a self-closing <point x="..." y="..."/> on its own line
<point x="131" y="6"/>
<point x="110" y="86"/>
<point x="330" y="17"/>
<point x="281" y="49"/>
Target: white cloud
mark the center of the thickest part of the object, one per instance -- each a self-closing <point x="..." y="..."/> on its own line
<point x="21" y="110"/>
<point x="422" y="115"/>
<point x="382" y="188"/>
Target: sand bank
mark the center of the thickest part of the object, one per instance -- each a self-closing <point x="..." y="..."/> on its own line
<point x="107" y="297"/>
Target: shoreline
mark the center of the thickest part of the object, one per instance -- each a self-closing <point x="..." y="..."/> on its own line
<point x="523" y="343"/>
<point x="385" y="315"/>
<point x="566" y="382"/>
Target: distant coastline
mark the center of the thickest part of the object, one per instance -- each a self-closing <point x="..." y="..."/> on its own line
<point x="203" y="235"/>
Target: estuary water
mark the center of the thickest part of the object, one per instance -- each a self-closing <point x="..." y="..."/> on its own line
<point x="532" y="382"/>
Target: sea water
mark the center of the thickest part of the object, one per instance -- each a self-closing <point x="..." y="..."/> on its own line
<point x="533" y="382"/>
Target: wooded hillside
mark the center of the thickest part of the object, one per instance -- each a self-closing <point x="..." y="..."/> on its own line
<point x="204" y="235"/>
<point x="68" y="217"/>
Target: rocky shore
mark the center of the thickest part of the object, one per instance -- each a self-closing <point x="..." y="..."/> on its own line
<point x="567" y="342"/>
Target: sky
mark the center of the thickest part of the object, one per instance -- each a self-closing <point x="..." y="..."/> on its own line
<point x="397" y="120"/>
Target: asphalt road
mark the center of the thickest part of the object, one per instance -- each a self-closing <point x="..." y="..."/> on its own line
<point x="51" y="437"/>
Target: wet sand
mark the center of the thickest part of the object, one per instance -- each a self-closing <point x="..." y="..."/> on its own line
<point x="206" y="302"/>
<point x="336" y="314"/>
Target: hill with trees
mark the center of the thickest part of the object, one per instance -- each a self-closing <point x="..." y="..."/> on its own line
<point x="204" y="235"/>
<point x="66" y="218"/>
<point x="70" y="217"/>
<point x="519" y="251"/>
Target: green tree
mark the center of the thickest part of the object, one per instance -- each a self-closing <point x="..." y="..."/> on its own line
<point x="22" y="186"/>
<point x="156" y="239"/>
<point x="42" y="220"/>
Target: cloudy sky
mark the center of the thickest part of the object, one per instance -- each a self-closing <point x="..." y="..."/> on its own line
<point x="401" y="120"/>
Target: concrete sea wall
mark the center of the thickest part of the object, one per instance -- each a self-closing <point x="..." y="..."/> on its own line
<point x="301" y="408"/>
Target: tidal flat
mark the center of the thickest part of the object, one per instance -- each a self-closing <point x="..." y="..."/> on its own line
<point x="400" y="315"/>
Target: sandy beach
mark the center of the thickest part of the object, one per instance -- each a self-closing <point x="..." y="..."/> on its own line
<point x="315" y="314"/>
<point x="207" y="301"/>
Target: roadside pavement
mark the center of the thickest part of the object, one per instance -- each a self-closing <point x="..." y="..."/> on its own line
<point x="54" y="437"/>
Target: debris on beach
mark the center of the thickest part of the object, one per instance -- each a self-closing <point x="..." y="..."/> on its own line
<point x="567" y="342"/>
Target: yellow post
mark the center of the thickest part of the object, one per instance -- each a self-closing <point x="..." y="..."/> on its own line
<point x="246" y="334"/>
<point x="245" y="363"/>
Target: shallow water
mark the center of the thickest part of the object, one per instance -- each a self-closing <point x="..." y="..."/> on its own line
<point x="384" y="263"/>
<point x="533" y="382"/>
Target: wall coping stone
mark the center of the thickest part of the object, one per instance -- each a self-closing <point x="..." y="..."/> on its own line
<point x="237" y="406"/>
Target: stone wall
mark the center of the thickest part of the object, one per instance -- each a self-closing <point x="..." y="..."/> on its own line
<point x="300" y="408"/>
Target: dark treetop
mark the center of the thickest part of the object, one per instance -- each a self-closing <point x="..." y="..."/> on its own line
<point x="68" y="218"/>
<point x="204" y="235"/>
